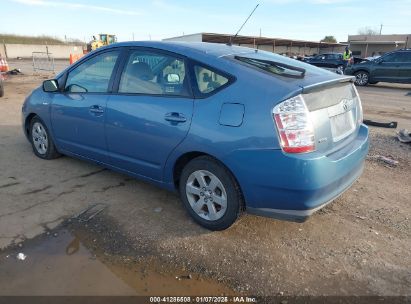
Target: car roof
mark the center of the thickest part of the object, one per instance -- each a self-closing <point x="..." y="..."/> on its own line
<point x="187" y="48"/>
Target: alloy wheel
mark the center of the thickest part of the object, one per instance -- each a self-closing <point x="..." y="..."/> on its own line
<point x="40" y="138"/>
<point x="206" y="195"/>
<point x="361" y="78"/>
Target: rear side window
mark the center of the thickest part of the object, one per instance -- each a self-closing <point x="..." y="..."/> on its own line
<point x="334" y="56"/>
<point x="404" y="57"/>
<point x="92" y="76"/>
<point x="208" y="80"/>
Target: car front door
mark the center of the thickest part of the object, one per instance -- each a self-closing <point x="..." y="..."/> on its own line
<point x="149" y="113"/>
<point x="386" y="68"/>
<point x="78" y="113"/>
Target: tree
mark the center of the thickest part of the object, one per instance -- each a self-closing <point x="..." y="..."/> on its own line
<point x="368" y="31"/>
<point x="330" y="39"/>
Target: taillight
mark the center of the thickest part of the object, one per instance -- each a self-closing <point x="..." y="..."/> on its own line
<point x="360" y="116"/>
<point x="294" y="126"/>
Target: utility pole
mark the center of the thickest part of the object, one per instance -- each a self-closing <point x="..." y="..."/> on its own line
<point x="381" y="25"/>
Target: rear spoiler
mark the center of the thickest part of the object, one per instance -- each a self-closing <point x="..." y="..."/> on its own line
<point x="320" y="85"/>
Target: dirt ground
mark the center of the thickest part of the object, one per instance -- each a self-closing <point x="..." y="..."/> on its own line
<point x="358" y="245"/>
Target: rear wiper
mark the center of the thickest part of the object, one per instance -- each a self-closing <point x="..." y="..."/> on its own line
<point x="274" y="67"/>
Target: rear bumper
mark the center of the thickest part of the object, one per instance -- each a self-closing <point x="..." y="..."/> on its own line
<point x="298" y="215"/>
<point x="293" y="187"/>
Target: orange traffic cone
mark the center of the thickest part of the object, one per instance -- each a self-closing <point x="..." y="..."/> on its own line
<point x="4" y="66"/>
<point x="75" y="57"/>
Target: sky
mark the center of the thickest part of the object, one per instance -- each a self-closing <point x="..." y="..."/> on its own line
<point x="158" y="19"/>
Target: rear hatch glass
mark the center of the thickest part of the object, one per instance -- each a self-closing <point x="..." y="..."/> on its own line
<point x="274" y="67"/>
<point x="332" y="100"/>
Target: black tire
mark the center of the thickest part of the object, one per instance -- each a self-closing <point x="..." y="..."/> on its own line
<point x="361" y="78"/>
<point x="340" y="69"/>
<point x="234" y="198"/>
<point x="50" y="152"/>
<point x="1" y="88"/>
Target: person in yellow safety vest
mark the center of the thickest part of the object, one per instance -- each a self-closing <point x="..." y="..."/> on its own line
<point x="347" y="57"/>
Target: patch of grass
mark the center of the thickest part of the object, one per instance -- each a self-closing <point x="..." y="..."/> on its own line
<point x="43" y="39"/>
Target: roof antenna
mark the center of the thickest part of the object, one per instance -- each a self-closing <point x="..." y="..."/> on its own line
<point x="232" y="38"/>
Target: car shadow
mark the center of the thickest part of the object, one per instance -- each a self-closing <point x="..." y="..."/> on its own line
<point x="395" y="86"/>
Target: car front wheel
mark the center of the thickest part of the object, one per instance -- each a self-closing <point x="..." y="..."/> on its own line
<point x="41" y="141"/>
<point x="361" y="78"/>
<point x="210" y="193"/>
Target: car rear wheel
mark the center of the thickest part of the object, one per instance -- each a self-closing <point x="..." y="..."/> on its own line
<point x="210" y="193"/>
<point x="41" y="141"/>
<point x="361" y="78"/>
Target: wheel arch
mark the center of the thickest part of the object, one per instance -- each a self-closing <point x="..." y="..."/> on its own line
<point x="27" y="123"/>
<point x="362" y="70"/>
<point x="185" y="158"/>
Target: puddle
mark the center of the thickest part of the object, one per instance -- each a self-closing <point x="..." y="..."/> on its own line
<point x="61" y="264"/>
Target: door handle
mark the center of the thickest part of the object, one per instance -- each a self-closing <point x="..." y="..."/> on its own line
<point x="96" y="109"/>
<point x="175" y="117"/>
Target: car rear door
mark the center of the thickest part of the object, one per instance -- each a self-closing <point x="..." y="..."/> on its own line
<point x="386" y="68"/>
<point x="404" y="61"/>
<point x="78" y="113"/>
<point x="150" y="112"/>
<point x="330" y="61"/>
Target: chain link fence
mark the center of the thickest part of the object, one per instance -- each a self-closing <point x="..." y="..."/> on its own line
<point x="43" y="61"/>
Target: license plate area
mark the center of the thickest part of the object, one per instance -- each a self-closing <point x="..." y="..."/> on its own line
<point x="342" y="125"/>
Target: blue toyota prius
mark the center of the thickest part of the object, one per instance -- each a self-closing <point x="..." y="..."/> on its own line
<point x="232" y="129"/>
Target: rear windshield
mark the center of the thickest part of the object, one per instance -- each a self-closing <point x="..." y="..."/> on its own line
<point x="276" y="64"/>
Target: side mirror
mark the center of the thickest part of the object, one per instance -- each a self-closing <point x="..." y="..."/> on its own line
<point x="173" y="78"/>
<point x="50" y="86"/>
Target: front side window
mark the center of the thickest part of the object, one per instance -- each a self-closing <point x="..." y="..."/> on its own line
<point x="92" y="76"/>
<point x="208" y="80"/>
<point x="148" y="72"/>
<point x="390" y="57"/>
